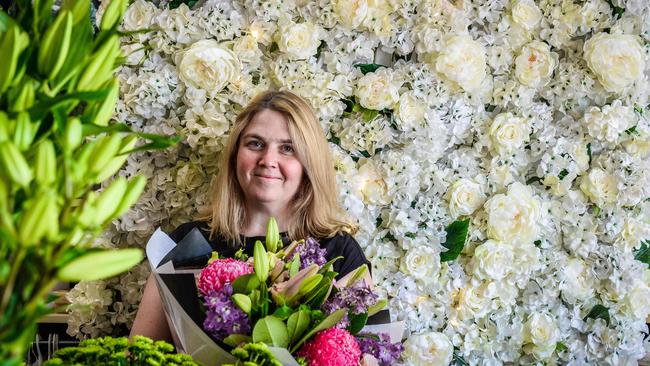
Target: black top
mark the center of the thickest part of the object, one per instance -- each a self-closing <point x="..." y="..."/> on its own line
<point x="342" y="245"/>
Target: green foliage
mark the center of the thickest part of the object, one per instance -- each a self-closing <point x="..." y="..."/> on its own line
<point x="643" y="253"/>
<point x="455" y="241"/>
<point x="367" y="68"/>
<point x="599" y="312"/>
<point x="141" y="351"/>
<point x="254" y="354"/>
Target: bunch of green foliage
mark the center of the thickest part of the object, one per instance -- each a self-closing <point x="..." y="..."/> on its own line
<point x="256" y="354"/>
<point x="58" y="145"/>
<point x="142" y="351"/>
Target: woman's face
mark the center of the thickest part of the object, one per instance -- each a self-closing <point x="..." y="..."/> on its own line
<point x="268" y="170"/>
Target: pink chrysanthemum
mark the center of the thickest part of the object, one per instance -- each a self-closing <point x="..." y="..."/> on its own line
<point x="331" y="347"/>
<point x="221" y="271"/>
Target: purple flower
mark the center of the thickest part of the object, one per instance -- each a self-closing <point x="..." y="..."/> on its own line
<point x="380" y="347"/>
<point x="222" y="316"/>
<point x="310" y="253"/>
<point x="356" y="298"/>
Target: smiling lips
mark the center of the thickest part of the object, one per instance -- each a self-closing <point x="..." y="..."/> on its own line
<point x="266" y="176"/>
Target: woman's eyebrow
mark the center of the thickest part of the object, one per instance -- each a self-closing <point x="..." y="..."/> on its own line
<point x="256" y="136"/>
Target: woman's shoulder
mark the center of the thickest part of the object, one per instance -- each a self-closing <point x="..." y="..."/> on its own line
<point x="183" y="229"/>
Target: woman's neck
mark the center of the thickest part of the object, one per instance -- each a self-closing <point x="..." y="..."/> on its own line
<point x="257" y="219"/>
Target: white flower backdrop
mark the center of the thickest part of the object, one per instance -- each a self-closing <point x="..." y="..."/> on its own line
<point x="528" y="117"/>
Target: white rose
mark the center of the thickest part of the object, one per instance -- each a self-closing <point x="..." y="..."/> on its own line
<point x="470" y="302"/>
<point x="616" y="59"/>
<point x="351" y="13"/>
<point x="462" y="61"/>
<point x="637" y="300"/>
<point x="608" y="124"/>
<point x="139" y="15"/>
<point x="534" y="65"/>
<point x="421" y="262"/>
<point x="371" y="185"/>
<point x="542" y="335"/>
<point x="639" y="145"/>
<point x="508" y="133"/>
<point x="428" y="349"/>
<point x="465" y="196"/>
<point x="577" y="284"/>
<point x="134" y="53"/>
<point x="247" y="49"/>
<point x="526" y="14"/>
<point x="410" y="112"/>
<point x="299" y="41"/>
<point x="513" y="217"/>
<point x="493" y="260"/>
<point x="599" y="186"/>
<point x="377" y="90"/>
<point x="208" y="65"/>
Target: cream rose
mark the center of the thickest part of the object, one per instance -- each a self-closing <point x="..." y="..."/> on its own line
<point x="430" y="348"/>
<point x="422" y="263"/>
<point x="377" y="90"/>
<point x="526" y="14"/>
<point x="577" y="284"/>
<point x="410" y="112"/>
<point x="208" y="65"/>
<point x="639" y="145"/>
<point x="351" y="13"/>
<point x="465" y="196"/>
<point x="470" y="302"/>
<point x="139" y="15"/>
<point x="637" y="300"/>
<point x="600" y="186"/>
<point x="513" y="217"/>
<point x="493" y="260"/>
<point x="608" y="124"/>
<point x="508" y="133"/>
<point x="462" y="61"/>
<point x="541" y="335"/>
<point x="616" y="59"/>
<point x="299" y="41"/>
<point x="371" y="185"/>
<point x="534" y="65"/>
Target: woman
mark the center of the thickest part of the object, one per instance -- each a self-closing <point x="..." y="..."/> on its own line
<point x="276" y="163"/>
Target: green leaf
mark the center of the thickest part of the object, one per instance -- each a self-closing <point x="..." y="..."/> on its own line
<point x="235" y="340"/>
<point x="39" y="110"/>
<point x="176" y="3"/>
<point x="599" y="312"/>
<point x="245" y="284"/>
<point x="458" y="359"/>
<point x="367" y="68"/>
<point x="632" y="131"/>
<point x="327" y="323"/>
<point x="283" y="312"/>
<point x="357" y="322"/>
<point x="272" y="331"/>
<point x="297" y="325"/>
<point x="316" y="297"/>
<point x="325" y="267"/>
<point x="99" y="265"/>
<point x="559" y="346"/>
<point x="379" y="306"/>
<point x="643" y="253"/>
<point x="589" y="152"/>
<point x="455" y="241"/>
<point x="563" y="174"/>
<point x="295" y="266"/>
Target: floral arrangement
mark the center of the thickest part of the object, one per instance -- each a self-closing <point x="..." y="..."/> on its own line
<point x="530" y="118"/>
<point x="288" y="298"/>
<point x="105" y="351"/>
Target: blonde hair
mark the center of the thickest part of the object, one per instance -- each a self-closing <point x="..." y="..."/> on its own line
<point x="316" y="211"/>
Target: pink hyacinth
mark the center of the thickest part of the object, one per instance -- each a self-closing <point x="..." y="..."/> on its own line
<point x="331" y="347"/>
<point x="221" y="271"/>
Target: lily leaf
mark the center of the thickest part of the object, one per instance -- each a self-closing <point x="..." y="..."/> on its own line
<point x="245" y="284"/>
<point x="297" y="325"/>
<point x="456" y="237"/>
<point x="272" y="331"/>
<point x="99" y="265"/>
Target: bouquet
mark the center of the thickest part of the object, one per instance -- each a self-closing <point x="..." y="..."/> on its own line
<point x="289" y="298"/>
<point x="282" y="306"/>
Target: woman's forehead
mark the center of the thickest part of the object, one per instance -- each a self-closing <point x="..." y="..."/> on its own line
<point x="268" y="125"/>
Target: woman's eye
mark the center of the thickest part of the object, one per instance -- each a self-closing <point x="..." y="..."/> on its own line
<point x="255" y="144"/>
<point x="287" y="149"/>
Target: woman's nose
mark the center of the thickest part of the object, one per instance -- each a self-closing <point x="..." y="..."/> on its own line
<point x="268" y="158"/>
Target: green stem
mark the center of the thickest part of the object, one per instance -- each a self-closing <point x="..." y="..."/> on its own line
<point x="15" y="268"/>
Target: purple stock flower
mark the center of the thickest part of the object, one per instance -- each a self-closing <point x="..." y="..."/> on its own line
<point x="356" y="298"/>
<point x="310" y="253"/>
<point x="382" y="349"/>
<point x="222" y="316"/>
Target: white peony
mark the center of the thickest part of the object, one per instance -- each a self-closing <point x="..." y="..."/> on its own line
<point x="608" y="124"/>
<point x="534" y="65"/>
<point x="616" y="59"/>
<point x="526" y="14"/>
<point x="410" y="112"/>
<point x="470" y="302"/>
<point x="299" y="41"/>
<point x="139" y="15"/>
<point x="378" y="90"/>
<point x="514" y="217"/>
<point x="463" y="61"/>
<point x="351" y="13"/>
<point x="371" y="185"/>
<point x="637" y="300"/>
<point x="577" y="283"/>
<point x="423" y="263"/>
<point x="426" y="349"/>
<point x="465" y="196"/>
<point x="208" y="65"/>
<point x="541" y="335"/>
<point x="600" y="186"/>
<point x="508" y="133"/>
<point x="493" y="260"/>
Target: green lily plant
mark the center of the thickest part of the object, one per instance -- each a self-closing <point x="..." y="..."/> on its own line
<point x="58" y="145"/>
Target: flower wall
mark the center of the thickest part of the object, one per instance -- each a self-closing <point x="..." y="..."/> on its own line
<point x="530" y="118"/>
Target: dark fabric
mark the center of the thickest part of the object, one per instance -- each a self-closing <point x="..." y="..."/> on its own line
<point x="339" y="245"/>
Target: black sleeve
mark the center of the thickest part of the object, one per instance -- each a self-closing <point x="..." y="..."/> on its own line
<point x="353" y="257"/>
<point x="179" y="233"/>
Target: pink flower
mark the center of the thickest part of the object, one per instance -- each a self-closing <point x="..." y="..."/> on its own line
<point x="221" y="271"/>
<point x="331" y="347"/>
